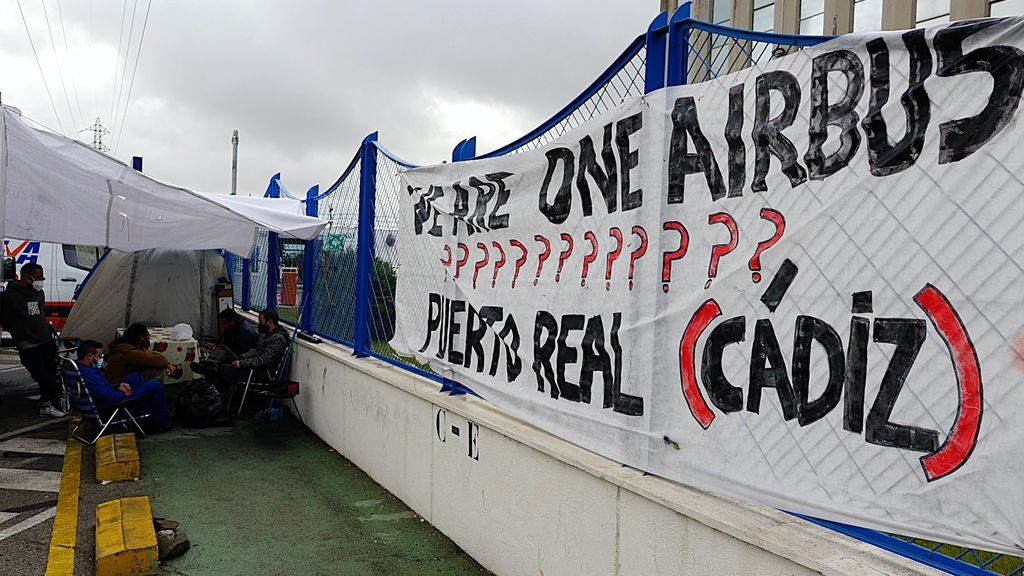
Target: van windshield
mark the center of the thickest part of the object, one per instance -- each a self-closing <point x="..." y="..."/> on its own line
<point x="81" y="257"/>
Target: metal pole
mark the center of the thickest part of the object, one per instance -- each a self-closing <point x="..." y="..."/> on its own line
<point x="234" y="162"/>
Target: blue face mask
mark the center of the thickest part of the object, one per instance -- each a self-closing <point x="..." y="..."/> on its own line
<point x="99" y="364"/>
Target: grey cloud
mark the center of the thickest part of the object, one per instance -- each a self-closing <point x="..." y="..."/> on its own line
<point x="305" y="81"/>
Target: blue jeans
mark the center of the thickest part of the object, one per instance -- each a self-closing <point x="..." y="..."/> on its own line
<point x="150" y="393"/>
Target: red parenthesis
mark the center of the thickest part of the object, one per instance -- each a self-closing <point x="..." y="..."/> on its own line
<point x="707" y="312"/>
<point x="962" y="438"/>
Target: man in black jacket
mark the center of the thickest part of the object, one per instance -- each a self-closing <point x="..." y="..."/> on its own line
<point x="21" y="314"/>
<point x="236" y="334"/>
<point x="263" y="360"/>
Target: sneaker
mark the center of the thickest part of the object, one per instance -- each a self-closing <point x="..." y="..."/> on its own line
<point x="51" y="411"/>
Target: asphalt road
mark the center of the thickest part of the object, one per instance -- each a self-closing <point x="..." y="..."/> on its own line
<point x="31" y="455"/>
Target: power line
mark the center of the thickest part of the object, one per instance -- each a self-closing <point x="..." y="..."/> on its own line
<point x="92" y="26"/>
<point x="74" y="85"/>
<point x="60" y="71"/>
<point x="40" y="66"/>
<point x="131" y="84"/>
<point x="117" y="60"/>
<point x="124" y="67"/>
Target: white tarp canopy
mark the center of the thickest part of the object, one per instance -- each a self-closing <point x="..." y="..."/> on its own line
<point x="55" y="189"/>
<point x="152" y="287"/>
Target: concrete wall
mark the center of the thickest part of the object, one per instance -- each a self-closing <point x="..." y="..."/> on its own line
<point x="523" y="502"/>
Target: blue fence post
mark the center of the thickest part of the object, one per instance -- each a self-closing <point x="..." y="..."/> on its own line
<point x="465" y="150"/>
<point x="273" y="247"/>
<point x="246" y="283"/>
<point x="309" y="264"/>
<point x="654" y="70"/>
<point x="365" y="246"/>
<point x="678" y="46"/>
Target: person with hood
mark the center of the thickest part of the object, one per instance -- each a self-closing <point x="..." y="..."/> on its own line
<point x="147" y="392"/>
<point x="22" y="314"/>
<point x="131" y="353"/>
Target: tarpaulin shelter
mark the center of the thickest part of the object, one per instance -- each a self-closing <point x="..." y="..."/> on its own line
<point x="155" y="287"/>
<point x="55" y="189"/>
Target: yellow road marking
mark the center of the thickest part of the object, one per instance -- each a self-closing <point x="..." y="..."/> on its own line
<point x="61" y="561"/>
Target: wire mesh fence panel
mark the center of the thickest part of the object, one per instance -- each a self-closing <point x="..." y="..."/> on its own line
<point x="711" y="54"/>
<point x="334" y="305"/>
<point x="624" y="81"/>
<point x="291" y="260"/>
<point x="235" y="273"/>
<point x="992" y="562"/>
<point x="258" y="265"/>
<point x="386" y="259"/>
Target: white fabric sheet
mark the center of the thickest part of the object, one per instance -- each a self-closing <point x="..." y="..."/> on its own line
<point x="55" y="189"/>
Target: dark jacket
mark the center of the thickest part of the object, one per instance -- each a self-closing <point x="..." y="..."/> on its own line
<point x="101" y="390"/>
<point x="22" y="314"/>
<point x="125" y="358"/>
<point x="241" y="338"/>
<point x="268" y="351"/>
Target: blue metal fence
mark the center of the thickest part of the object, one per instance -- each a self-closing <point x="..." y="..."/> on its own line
<point x="349" y="274"/>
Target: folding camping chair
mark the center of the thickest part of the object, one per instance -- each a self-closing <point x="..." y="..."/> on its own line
<point x="276" y="389"/>
<point x="116" y="414"/>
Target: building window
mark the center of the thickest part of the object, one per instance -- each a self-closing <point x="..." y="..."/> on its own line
<point x="812" y="17"/>
<point x="721" y="12"/>
<point x="764" y="16"/>
<point x="932" y="12"/>
<point x="1000" y="8"/>
<point x="867" y="15"/>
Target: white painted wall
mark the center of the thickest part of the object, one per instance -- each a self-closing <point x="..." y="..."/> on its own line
<point x="523" y="502"/>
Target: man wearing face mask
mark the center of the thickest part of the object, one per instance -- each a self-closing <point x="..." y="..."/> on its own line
<point x="263" y="360"/>
<point x="150" y="392"/>
<point x="22" y="314"/>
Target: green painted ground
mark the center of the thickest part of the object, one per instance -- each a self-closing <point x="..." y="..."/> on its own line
<point x="283" y="503"/>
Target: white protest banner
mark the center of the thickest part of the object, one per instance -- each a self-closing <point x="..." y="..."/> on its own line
<point x="801" y="283"/>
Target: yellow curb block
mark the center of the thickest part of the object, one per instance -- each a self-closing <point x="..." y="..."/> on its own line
<point x="117" y="458"/>
<point x="125" y="538"/>
<point x="61" y="559"/>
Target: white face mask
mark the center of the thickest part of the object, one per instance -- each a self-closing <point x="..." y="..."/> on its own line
<point x="39" y="285"/>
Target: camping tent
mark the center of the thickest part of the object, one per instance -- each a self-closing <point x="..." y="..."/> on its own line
<point x="55" y="189"/>
<point x="156" y="287"/>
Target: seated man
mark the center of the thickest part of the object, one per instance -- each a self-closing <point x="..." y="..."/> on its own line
<point x="149" y="393"/>
<point x="263" y="360"/>
<point x="131" y="353"/>
<point x="237" y="335"/>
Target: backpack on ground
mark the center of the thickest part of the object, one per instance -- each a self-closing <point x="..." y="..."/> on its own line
<point x="199" y="405"/>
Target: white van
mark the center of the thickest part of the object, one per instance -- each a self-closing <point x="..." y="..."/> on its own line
<point x="65" y="267"/>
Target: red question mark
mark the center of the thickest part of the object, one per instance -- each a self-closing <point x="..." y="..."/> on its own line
<point x="447" y="262"/>
<point x="719" y="250"/>
<point x="481" y="263"/>
<point x="564" y="255"/>
<point x="543" y="256"/>
<point x="775" y="217"/>
<point x="638" y="253"/>
<point x="668" y="257"/>
<point x="589" y="257"/>
<point x="497" y="263"/>
<point x="462" y="260"/>
<point x="612" y="257"/>
<point x="520" y="261"/>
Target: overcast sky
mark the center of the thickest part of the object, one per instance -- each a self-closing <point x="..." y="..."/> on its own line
<point x="304" y="81"/>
